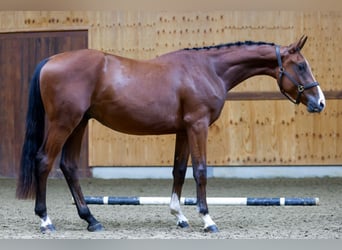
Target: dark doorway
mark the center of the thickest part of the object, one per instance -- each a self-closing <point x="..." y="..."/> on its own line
<point x="19" y="54"/>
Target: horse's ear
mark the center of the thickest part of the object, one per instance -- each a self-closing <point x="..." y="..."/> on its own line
<point x="298" y="45"/>
<point x="301" y="42"/>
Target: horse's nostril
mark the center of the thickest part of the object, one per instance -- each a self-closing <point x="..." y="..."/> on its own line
<point x="322" y="105"/>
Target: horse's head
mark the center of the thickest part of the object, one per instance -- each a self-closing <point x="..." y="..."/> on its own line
<point x="295" y="78"/>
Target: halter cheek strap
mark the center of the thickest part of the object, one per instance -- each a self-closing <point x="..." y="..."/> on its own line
<point x="300" y="87"/>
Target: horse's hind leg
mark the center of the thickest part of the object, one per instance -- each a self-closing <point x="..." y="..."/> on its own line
<point x="179" y="170"/>
<point x="45" y="158"/>
<point x="69" y="160"/>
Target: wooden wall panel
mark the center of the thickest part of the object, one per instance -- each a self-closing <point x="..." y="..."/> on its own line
<point x="19" y="54"/>
<point x="249" y="132"/>
<point x="264" y="133"/>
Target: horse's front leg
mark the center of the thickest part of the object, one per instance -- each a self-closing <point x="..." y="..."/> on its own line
<point x="179" y="170"/>
<point x="197" y="136"/>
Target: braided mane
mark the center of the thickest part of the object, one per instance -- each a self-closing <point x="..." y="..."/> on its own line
<point x="227" y="45"/>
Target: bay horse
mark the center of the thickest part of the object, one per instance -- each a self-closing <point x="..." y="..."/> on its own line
<point x="181" y="92"/>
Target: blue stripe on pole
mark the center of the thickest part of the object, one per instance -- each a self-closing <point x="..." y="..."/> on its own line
<point x="124" y="200"/>
<point x="263" y="201"/>
<point x="283" y="201"/>
<point x="301" y="201"/>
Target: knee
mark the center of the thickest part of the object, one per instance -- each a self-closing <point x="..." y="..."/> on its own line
<point x="200" y="175"/>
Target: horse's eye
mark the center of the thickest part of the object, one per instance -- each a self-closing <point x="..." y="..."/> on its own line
<point x="301" y="67"/>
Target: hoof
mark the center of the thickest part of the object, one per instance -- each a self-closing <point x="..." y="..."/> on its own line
<point x="211" y="229"/>
<point x="48" y="229"/>
<point x="95" y="228"/>
<point x="183" y="224"/>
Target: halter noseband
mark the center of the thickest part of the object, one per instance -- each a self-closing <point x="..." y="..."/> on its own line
<point x="300" y="87"/>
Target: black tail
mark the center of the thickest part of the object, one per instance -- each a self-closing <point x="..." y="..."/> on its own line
<point x="35" y="123"/>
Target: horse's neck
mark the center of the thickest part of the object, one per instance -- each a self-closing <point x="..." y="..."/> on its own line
<point x="241" y="63"/>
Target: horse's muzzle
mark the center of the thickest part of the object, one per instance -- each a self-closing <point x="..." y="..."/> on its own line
<point x="315" y="107"/>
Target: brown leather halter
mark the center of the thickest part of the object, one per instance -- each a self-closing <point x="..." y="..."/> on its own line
<point x="300" y="87"/>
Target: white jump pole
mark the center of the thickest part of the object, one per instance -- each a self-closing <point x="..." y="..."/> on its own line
<point x="228" y="201"/>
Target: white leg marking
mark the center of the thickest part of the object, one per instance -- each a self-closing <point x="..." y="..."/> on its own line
<point x="207" y="220"/>
<point x="46" y="226"/>
<point x="176" y="210"/>
<point x="45" y="222"/>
